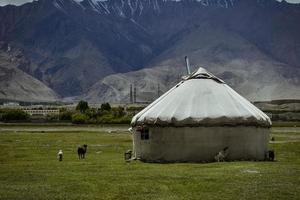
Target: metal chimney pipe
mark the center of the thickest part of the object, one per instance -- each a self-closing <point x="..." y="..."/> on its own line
<point x="187" y="63"/>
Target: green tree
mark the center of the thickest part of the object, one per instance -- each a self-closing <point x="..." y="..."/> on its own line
<point x="105" y="106"/>
<point x="82" y="106"/>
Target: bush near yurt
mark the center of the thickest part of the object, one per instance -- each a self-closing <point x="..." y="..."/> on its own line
<point x="118" y="112"/>
<point x="93" y="113"/>
<point x="7" y="115"/>
<point x="65" y="115"/>
<point x="79" y="118"/>
<point x="111" y="119"/>
<point x="134" y="109"/>
<point x="126" y="119"/>
<point x="105" y="107"/>
<point x="52" y="118"/>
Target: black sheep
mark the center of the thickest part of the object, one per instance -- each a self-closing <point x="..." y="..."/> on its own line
<point x="270" y="155"/>
<point x="81" y="151"/>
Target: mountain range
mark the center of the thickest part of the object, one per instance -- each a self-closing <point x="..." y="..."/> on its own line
<point x="95" y="49"/>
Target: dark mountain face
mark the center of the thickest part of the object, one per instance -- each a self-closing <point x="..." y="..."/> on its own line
<point x="71" y="45"/>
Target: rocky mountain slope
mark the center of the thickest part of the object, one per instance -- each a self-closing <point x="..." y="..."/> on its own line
<point x="16" y="84"/>
<point x="96" y="49"/>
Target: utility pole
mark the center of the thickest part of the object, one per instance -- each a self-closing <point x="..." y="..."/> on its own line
<point x="134" y="95"/>
<point x="131" y="95"/>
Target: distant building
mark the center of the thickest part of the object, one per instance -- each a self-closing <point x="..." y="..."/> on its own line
<point x="41" y="112"/>
<point x="11" y="105"/>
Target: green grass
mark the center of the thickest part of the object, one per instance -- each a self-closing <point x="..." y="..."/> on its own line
<point x="29" y="169"/>
<point x="285" y="124"/>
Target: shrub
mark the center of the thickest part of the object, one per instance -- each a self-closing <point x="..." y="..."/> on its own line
<point x="65" y="115"/>
<point x="102" y="112"/>
<point x="92" y="121"/>
<point x="105" y="119"/>
<point x="135" y="109"/>
<point x="79" y="118"/>
<point x="110" y="119"/>
<point x="13" y="115"/>
<point x="118" y="112"/>
<point x="122" y="120"/>
<point x="52" y="117"/>
<point x="92" y="113"/>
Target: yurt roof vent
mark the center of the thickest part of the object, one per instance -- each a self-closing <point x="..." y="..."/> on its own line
<point x="201" y="73"/>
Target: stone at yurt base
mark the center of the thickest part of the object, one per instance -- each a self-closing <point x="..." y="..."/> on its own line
<point x="196" y="119"/>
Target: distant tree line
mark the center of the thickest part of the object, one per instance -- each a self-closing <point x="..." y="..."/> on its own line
<point x="11" y="115"/>
<point x="82" y="114"/>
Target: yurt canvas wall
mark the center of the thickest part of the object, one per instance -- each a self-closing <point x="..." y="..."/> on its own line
<point x="196" y="144"/>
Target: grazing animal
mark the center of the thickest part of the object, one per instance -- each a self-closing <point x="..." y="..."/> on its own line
<point x="221" y="156"/>
<point x="82" y="151"/>
<point x="60" y="155"/>
<point x="128" y="155"/>
<point x="270" y="155"/>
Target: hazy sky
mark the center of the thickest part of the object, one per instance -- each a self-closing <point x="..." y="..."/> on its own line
<point x="18" y="2"/>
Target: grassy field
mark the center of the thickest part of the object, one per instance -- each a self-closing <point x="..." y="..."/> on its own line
<point x="29" y="168"/>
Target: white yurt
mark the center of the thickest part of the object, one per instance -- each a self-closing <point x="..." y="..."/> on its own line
<point x="197" y="119"/>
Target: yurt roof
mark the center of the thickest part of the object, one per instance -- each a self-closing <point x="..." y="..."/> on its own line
<point x="201" y="99"/>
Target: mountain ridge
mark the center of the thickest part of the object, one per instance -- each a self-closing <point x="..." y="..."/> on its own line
<point x="74" y="46"/>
